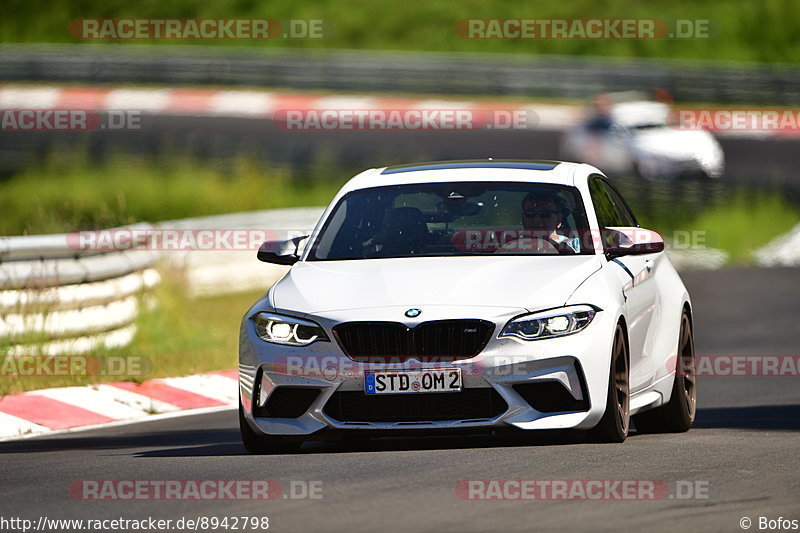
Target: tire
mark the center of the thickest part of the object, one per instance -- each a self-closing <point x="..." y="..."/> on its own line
<point x="614" y="425"/>
<point x="263" y="444"/>
<point x="679" y="413"/>
<point x="645" y="175"/>
<point x="636" y="170"/>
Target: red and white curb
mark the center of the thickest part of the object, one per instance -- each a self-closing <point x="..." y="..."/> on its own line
<point x="269" y="104"/>
<point x="253" y="104"/>
<point x="67" y="408"/>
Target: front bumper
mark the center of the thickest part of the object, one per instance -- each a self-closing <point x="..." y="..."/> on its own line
<point x="557" y="383"/>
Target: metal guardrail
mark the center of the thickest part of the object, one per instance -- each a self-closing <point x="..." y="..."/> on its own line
<point x="57" y="299"/>
<point x="208" y="272"/>
<point x="409" y="72"/>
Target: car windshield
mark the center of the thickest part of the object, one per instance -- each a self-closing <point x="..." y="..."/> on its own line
<point x="454" y="219"/>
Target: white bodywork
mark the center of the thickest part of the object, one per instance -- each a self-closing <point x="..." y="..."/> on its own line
<point x="641" y="140"/>
<point x="643" y="292"/>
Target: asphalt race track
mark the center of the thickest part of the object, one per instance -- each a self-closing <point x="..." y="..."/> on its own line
<point x="749" y="161"/>
<point x="762" y="162"/>
<point x="743" y="451"/>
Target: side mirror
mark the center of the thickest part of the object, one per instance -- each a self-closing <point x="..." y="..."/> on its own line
<point x="281" y="252"/>
<point x="618" y="242"/>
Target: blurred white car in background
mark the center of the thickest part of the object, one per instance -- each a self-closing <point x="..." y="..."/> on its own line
<point x="636" y="138"/>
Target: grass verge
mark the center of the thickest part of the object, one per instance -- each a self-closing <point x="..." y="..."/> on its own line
<point x="749" y="30"/>
<point x="745" y="223"/>
<point x="68" y="193"/>
<point x="735" y="219"/>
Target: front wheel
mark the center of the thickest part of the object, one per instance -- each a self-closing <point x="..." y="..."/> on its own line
<point x="613" y="427"/>
<point x="678" y="414"/>
<point x="263" y="444"/>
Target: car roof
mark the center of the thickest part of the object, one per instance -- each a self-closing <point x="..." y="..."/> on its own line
<point x="472" y="163"/>
<point x="555" y="172"/>
<point x="632" y="114"/>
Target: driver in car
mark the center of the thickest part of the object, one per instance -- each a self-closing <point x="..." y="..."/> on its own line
<point x="543" y="215"/>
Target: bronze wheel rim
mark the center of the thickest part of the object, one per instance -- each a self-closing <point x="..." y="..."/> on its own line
<point x="620" y="374"/>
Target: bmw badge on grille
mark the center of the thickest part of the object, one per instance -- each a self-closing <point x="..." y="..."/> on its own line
<point x="411" y="313"/>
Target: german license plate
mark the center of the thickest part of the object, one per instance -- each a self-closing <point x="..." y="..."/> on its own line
<point x="402" y="382"/>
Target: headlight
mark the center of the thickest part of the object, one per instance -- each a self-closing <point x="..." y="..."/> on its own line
<point x="288" y="330"/>
<point x="552" y="323"/>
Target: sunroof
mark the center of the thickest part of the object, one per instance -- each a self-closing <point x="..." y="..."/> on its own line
<point x="472" y="163"/>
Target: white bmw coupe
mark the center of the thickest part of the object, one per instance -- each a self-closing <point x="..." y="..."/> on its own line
<point x="468" y="296"/>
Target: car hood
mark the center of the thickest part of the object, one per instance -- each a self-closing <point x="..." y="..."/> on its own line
<point x="516" y="282"/>
<point x="676" y="144"/>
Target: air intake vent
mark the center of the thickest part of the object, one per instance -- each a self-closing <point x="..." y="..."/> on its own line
<point x="287" y="402"/>
<point x="550" y="397"/>
<point x="440" y="340"/>
<point x="468" y="404"/>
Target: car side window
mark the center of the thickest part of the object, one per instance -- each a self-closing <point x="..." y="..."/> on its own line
<point x="624" y="214"/>
<point x="607" y="215"/>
